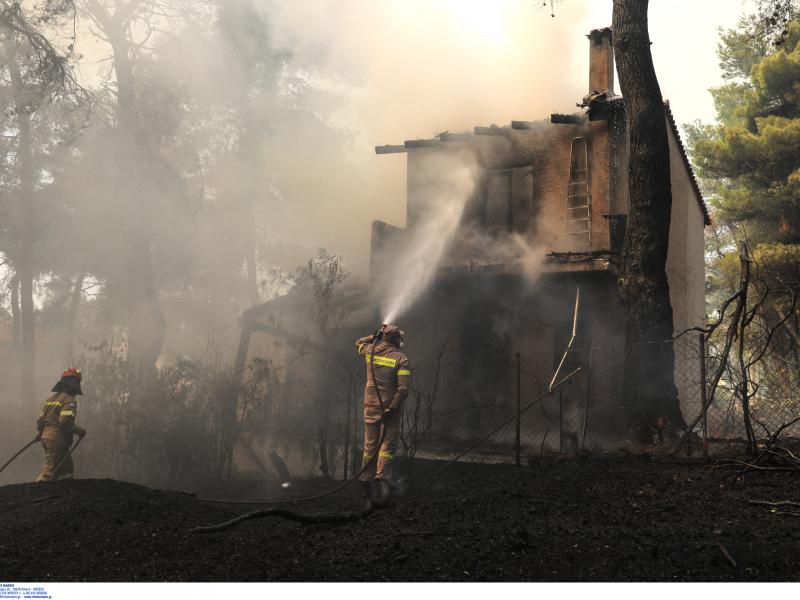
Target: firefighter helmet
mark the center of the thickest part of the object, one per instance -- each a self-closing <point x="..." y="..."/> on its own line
<point x="72" y="372"/>
<point x="393" y="330"/>
<point x="394" y="334"/>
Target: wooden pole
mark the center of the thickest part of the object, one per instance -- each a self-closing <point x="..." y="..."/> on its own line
<point x="704" y="400"/>
<point x="517" y="439"/>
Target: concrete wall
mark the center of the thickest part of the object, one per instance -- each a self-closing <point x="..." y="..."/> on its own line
<point x="686" y="274"/>
<point x="685" y="259"/>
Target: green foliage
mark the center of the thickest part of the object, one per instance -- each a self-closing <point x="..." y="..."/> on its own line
<point x="739" y="50"/>
<point x="749" y="164"/>
<point x="751" y="158"/>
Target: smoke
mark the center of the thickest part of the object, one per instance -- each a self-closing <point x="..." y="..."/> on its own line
<point x="438" y="218"/>
<point x="254" y="137"/>
<point x="410" y="69"/>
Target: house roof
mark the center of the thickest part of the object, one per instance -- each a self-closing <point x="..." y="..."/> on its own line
<point x="689" y="169"/>
<point x="590" y="101"/>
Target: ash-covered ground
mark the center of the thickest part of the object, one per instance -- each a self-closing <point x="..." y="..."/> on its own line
<point x="590" y="519"/>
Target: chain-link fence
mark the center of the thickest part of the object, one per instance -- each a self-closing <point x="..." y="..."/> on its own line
<point x="499" y="412"/>
<point x="195" y="422"/>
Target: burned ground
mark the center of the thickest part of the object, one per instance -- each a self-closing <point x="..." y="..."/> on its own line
<point x="596" y="519"/>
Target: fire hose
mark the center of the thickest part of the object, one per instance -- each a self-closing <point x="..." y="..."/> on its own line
<point x="31" y="443"/>
<point x="378" y="336"/>
<point x="555" y="383"/>
<point x="13" y="458"/>
<point x="317" y="518"/>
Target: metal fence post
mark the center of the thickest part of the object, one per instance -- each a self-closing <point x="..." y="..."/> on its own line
<point x="346" y="461"/>
<point x="517" y="439"/>
<point x="560" y="422"/>
<point x="703" y="392"/>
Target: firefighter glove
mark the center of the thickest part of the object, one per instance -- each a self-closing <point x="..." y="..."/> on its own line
<point x="80" y="431"/>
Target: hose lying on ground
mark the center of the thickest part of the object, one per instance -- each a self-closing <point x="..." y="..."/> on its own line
<point x="343" y="517"/>
<point x="308" y="519"/>
<point x="338" y="488"/>
<point x="304" y="498"/>
<point x="352" y="516"/>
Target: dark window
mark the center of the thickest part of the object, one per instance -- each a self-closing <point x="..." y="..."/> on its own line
<point x="508" y="200"/>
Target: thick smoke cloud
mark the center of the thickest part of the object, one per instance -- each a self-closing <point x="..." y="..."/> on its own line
<point x="239" y="129"/>
<point x="412" y="69"/>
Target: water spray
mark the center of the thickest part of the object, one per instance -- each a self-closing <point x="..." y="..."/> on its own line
<point x="453" y="180"/>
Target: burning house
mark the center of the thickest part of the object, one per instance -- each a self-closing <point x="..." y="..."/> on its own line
<point x="503" y="225"/>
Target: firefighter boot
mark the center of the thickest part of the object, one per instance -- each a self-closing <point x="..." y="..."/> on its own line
<point x="383" y="493"/>
<point x="366" y="491"/>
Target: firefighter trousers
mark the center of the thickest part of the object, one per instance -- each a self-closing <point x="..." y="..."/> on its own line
<point x="382" y="467"/>
<point x="54" y="453"/>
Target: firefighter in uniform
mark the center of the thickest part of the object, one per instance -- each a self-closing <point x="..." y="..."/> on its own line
<point x="56" y="426"/>
<point x="392" y="379"/>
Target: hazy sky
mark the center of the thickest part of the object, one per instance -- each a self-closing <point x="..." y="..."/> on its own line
<point x="414" y="68"/>
<point x="684" y="35"/>
<point x="409" y="69"/>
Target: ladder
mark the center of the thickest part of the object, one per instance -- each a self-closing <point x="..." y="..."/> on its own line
<point x="579" y="202"/>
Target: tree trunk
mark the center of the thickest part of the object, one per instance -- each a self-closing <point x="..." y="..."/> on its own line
<point x="25" y="268"/>
<point x="72" y="316"/>
<point x="252" y="274"/>
<point x="27" y="223"/>
<point x="16" y="319"/>
<point x="146" y="322"/>
<point x="642" y="286"/>
<point x="744" y="385"/>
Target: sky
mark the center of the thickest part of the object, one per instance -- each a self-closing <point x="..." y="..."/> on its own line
<point x="684" y="35"/>
<point x="414" y="68"/>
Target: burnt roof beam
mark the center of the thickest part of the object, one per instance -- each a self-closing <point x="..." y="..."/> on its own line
<point x="390" y="149"/>
<point x="493" y="130"/>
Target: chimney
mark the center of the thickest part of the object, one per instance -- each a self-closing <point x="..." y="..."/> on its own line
<point x="601" y="61"/>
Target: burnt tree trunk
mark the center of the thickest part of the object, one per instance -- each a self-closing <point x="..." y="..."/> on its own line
<point x="743" y="320"/>
<point x="252" y="257"/>
<point x="146" y="322"/>
<point x="72" y="316"/>
<point x="642" y="286"/>
<point x="26" y="263"/>
<point x="16" y="320"/>
<point x="25" y="266"/>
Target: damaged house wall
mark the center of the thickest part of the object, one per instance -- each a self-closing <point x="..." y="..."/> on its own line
<point x="544" y="215"/>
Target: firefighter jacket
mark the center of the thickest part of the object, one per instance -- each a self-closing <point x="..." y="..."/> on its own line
<point x="392" y="373"/>
<point x="57" y="420"/>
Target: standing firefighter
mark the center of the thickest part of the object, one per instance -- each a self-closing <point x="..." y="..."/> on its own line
<point x="56" y="426"/>
<point x="388" y="381"/>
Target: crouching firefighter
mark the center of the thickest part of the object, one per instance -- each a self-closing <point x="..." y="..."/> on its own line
<point x="388" y="382"/>
<point x="57" y="426"/>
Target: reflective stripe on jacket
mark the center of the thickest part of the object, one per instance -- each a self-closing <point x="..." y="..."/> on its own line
<point x="57" y="419"/>
<point x="392" y="373"/>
